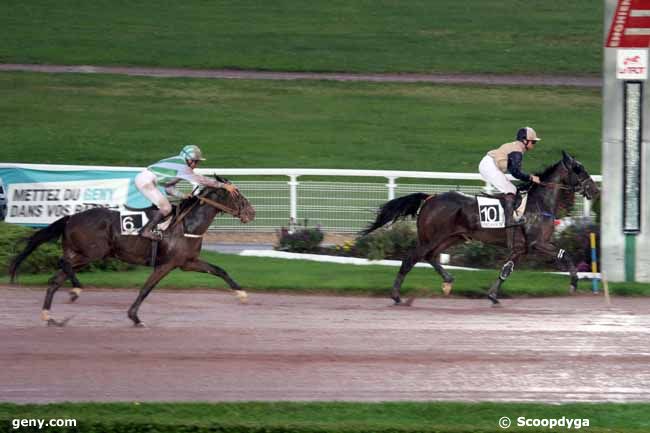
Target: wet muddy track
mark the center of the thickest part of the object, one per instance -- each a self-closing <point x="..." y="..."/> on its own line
<point x="202" y="345"/>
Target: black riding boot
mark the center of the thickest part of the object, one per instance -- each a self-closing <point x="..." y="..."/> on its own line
<point x="149" y="230"/>
<point x="511" y="224"/>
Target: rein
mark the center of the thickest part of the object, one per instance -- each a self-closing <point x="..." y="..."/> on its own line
<point x="217" y="205"/>
<point x="212" y="203"/>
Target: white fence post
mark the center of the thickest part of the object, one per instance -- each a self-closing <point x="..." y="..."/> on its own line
<point x="391" y="187"/>
<point x="586" y="207"/>
<point x="293" y="202"/>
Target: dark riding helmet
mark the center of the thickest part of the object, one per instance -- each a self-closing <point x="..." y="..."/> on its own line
<point x="527" y="133"/>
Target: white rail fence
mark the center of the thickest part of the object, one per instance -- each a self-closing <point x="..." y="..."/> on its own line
<point x="343" y="201"/>
<point x="343" y="204"/>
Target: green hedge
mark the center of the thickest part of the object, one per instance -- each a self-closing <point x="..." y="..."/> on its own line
<point x="12" y="241"/>
<point x="45" y="259"/>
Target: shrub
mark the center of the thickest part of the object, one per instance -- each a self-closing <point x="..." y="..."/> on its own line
<point x="477" y="255"/>
<point x="45" y="259"/>
<point x="574" y="239"/>
<point x="394" y="242"/>
<point x="12" y="241"/>
<point x="303" y="240"/>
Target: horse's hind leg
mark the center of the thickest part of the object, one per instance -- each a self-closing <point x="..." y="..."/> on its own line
<point x="447" y="279"/>
<point x="67" y="267"/>
<point x="407" y="264"/>
<point x="432" y="258"/>
<point x="506" y="270"/>
<point x="54" y="284"/>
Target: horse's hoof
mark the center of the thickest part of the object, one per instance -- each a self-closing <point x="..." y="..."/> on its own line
<point x="572" y="289"/>
<point x="446" y="288"/>
<point x="494" y="299"/>
<point x="242" y="296"/>
<point x="55" y="323"/>
<point x="74" y="294"/>
<point x="139" y="325"/>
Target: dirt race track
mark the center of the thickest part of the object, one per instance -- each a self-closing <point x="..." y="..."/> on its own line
<point x="202" y="345"/>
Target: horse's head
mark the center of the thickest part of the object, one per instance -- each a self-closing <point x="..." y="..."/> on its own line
<point x="236" y="205"/>
<point x="577" y="177"/>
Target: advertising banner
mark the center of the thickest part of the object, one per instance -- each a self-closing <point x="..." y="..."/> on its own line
<point x="40" y="197"/>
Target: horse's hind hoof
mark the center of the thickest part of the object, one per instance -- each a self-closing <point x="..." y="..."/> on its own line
<point x="494" y="300"/>
<point x="55" y="323"/>
<point x="74" y="294"/>
<point x="139" y="325"/>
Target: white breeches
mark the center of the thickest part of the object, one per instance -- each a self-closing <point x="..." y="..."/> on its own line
<point x="145" y="181"/>
<point x="491" y="173"/>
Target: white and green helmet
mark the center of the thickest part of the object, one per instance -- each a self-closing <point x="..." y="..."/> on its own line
<point x="192" y="153"/>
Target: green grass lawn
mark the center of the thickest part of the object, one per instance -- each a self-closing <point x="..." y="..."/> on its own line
<point x="305" y="277"/>
<point x="479" y="36"/>
<point x="111" y="120"/>
<point x="439" y="417"/>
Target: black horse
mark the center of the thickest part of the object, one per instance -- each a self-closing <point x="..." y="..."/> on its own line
<point x="95" y="234"/>
<point x="447" y="219"/>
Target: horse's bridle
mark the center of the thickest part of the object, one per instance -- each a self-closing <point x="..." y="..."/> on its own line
<point x="208" y="201"/>
<point x="575" y="183"/>
<point x="217" y="205"/>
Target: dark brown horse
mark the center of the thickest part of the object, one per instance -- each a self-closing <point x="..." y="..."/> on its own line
<point x="447" y="219"/>
<point x="95" y="234"/>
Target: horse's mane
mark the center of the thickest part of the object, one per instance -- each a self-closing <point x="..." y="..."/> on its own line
<point x="548" y="171"/>
<point x="186" y="203"/>
<point x="566" y="197"/>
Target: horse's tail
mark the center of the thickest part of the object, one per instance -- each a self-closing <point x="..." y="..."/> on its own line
<point x="395" y="209"/>
<point x="53" y="231"/>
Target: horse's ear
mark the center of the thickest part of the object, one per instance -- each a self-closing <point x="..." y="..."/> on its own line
<point x="220" y="179"/>
<point x="567" y="159"/>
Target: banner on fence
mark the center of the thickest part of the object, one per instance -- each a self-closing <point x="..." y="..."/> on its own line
<point x="39" y="197"/>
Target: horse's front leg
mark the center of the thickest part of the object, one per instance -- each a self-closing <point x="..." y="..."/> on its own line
<point x="158" y="274"/>
<point x="68" y="268"/>
<point x="201" y="266"/>
<point x="506" y="270"/>
<point x="562" y="257"/>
